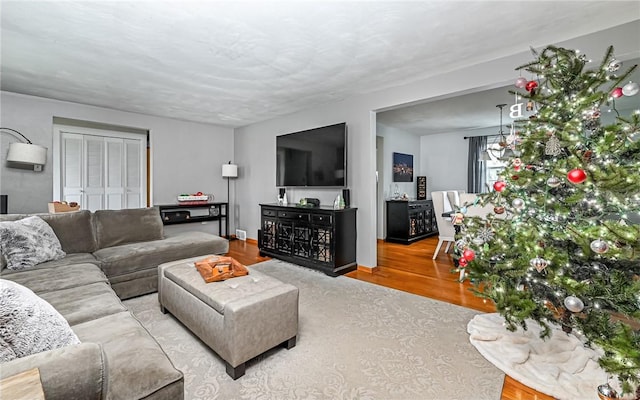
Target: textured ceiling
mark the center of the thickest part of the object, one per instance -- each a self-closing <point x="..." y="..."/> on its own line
<point x="477" y="111"/>
<point x="236" y="63"/>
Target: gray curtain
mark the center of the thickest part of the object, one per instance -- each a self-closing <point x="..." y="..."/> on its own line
<point x="476" y="175"/>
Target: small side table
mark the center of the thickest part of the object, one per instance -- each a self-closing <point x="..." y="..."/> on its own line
<point x="23" y="386"/>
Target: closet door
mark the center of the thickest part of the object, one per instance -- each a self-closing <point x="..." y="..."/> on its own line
<point x="99" y="171"/>
<point x="94" y="173"/>
<point x="134" y="195"/>
<point x="72" y="166"/>
<point x="115" y="169"/>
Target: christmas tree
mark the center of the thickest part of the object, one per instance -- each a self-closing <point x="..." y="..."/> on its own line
<point x="563" y="245"/>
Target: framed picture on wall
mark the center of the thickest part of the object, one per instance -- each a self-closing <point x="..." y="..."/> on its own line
<point x="402" y="167"/>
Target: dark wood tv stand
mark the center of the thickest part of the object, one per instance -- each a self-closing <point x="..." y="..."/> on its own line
<point x="316" y="237"/>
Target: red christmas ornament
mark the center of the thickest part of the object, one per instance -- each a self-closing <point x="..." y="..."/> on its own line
<point x="531" y="85"/>
<point x="577" y="175"/>
<point x="462" y="262"/>
<point x="617" y="93"/>
<point x="514" y="177"/>
<point x="499" y="186"/>
<point x="469" y="254"/>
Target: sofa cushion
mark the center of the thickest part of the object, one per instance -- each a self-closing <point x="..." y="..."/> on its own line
<point x="72" y="372"/>
<point x="120" y="260"/>
<point x="27" y="242"/>
<point x="74" y="230"/>
<point x="137" y="366"/>
<point x="85" y="303"/>
<point x="28" y="324"/>
<point x="61" y="277"/>
<point x="117" y="227"/>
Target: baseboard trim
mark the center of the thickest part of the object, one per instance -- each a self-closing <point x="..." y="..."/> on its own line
<point x="368" y="270"/>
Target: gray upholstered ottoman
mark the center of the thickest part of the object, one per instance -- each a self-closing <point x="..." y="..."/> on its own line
<point x="239" y="318"/>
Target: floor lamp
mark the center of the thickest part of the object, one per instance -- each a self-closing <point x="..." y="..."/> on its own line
<point x="29" y="154"/>
<point x="229" y="171"/>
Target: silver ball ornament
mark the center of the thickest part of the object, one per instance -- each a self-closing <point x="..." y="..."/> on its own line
<point x="599" y="246"/>
<point x="554" y="182"/>
<point x="518" y="204"/>
<point x="478" y="241"/>
<point x="631" y="89"/>
<point x="573" y="304"/>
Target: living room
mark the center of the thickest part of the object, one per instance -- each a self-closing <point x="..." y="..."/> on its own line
<point x="202" y="148"/>
<point x="186" y="152"/>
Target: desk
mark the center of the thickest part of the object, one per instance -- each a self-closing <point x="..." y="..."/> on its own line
<point x="181" y="214"/>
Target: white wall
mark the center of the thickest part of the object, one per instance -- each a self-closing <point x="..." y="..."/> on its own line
<point x="445" y="159"/>
<point x="186" y="157"/>
<point x="398" y="141"/>
<point x="255" y="144"/>
<point x="395" y="141"/>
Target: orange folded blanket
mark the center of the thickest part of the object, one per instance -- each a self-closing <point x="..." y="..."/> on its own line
<point x="215" y="269"/>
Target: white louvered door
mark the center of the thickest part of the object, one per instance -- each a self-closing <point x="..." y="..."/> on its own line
<point x="101" y="172"/>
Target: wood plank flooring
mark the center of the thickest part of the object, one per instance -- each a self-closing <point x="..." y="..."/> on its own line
<point x="410" y="268"/>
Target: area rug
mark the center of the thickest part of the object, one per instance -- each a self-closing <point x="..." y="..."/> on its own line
<point x="356" y="340"/>
<point x="560" y="366"/>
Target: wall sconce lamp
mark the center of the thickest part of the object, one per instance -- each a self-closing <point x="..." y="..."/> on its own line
<point x="26" y="153"/>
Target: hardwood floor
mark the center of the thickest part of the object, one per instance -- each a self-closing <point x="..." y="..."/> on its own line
<point x="410" y="268"/>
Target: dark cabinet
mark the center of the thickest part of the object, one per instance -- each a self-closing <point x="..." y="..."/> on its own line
<point x="408" y="221"/>
<point x="320" y="238"/>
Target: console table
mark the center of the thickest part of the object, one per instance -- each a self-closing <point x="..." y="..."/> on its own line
<point x="181" y="214"/>
<point x="320" y="237"/>
<point x="410" y="220"/>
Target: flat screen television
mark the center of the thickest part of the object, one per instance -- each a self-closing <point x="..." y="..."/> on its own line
<point x="312" y="158"/>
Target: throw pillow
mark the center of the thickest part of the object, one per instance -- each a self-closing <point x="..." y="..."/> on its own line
<point x="27" y="242"/>
<point x="28" y="324"/>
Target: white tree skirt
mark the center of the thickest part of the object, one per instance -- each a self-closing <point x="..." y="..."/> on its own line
<point x="560" y="366"/>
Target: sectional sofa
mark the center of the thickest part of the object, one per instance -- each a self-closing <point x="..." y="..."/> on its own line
<point x="110" y="256"/>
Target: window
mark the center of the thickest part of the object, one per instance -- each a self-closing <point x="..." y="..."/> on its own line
<point x="493" y="166"/>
